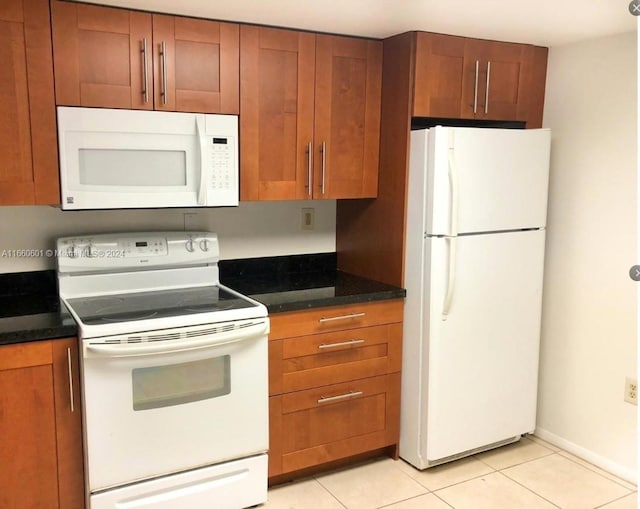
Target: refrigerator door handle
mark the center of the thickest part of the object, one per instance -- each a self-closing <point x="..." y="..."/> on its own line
<point x="453" y="186"/>
<point x="451" y="277"/>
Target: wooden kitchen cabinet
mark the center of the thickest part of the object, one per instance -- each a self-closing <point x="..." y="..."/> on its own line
<point x="310" y="115"/>
<point x="28" y="146"/>
<point x="41" y="442"/>
<point x="334" y="384"/>
<point x="457" y="77"/>
<point x="116" y="58"/>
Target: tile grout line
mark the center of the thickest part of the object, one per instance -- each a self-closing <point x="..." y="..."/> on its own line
<point x="403" y="500"/>
<point x="443" y="500"/>
<point x="529" y="489"/>
<point x="329" y="492"/>
<point x="429" y="490"/>
<point x="615" y="500"/>
<point x="598" y="473"/>
<point x="521" y="462"/>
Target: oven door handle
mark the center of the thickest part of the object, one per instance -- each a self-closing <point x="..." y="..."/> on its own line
<point x="173" y="346"/>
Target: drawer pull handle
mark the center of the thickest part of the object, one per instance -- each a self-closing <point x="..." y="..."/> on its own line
<point x="350" y="394"/>
<point x="343" y="343"/>
<point x="343" y="317"/>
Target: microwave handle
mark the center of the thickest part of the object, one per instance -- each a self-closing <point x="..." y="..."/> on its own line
<point x="204" y="168"/>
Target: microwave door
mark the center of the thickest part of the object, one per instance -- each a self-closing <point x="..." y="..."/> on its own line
<point x="132" y="170"/>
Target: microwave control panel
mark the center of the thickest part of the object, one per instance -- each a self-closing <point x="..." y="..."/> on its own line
<point x="222" y="154"/>
<point x="220" y="147"/>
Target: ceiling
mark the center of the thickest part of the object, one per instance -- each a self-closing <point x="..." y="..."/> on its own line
<point x="541" y="22"/>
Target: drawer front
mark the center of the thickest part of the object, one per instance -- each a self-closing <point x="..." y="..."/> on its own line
<point x="323" y="359"/>
<point x="319" y="425"/>
<point x="335" y="318"/>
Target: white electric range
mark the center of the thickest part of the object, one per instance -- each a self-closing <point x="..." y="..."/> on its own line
<point x="174" y="373"/>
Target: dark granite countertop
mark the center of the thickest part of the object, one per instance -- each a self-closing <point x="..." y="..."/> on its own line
<point x="305" y="291"/>
<point x="297" y="282"/>
<point x="30" y="309"/>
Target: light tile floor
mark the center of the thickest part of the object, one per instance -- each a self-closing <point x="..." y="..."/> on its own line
<point x="530" y="474"/>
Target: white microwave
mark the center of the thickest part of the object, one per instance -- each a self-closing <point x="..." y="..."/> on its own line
<point x="121" y="159"/>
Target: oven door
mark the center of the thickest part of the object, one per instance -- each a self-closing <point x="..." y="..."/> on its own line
<point x="166" y="401"/>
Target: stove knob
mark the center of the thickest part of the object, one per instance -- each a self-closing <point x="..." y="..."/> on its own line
<point x="190" y="245"/>
<point x="204" y="245"/>
<point x="72" y="252"/>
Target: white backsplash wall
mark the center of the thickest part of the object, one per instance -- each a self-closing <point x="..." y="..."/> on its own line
<point x="254" y="229"/>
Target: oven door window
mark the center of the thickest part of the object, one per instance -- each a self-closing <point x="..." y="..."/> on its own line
<point x="176" y="384"/>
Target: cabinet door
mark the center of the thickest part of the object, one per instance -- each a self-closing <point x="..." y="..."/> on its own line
<point x="277" y="70"/>
<point x="440" y="77"/>
<point x="99" y="56"/>
<point x="27" y="420"/>
<point x="198" y="69"/>
<point x="41" y="441"/>
<point x="347" y="117"/>
<point x="28" y="149"/>
<point x="68" y="412"/>
<point x="501" y="86"/>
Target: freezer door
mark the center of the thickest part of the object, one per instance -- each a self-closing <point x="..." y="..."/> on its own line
<point x="485" y="180"/>
<point x="482" y="355"/>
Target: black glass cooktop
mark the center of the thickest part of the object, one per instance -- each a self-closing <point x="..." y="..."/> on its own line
<point x="159" y="304"/>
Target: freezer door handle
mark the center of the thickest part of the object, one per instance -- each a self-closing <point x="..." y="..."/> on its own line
<point x="451" y="275"/>
<point x="453" y="186"/>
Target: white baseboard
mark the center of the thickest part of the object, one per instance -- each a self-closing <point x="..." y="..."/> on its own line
<point x="623" y="472"/>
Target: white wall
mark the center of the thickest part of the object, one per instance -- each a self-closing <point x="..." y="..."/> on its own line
<point x="251" y="230"/>
<point x="589" y="306"/>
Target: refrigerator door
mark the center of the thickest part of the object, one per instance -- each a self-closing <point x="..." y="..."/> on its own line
<point x="482" y="355"/>
<point x="485" y="180"/>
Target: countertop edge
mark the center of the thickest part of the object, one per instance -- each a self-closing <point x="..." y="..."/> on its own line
<point x="38" y="334"/>
<point x="336" y="301"/>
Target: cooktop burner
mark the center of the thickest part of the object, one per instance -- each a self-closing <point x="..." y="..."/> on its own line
<point x="159" y="304"/>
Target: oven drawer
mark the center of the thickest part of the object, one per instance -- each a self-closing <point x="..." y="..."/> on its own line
<point x="322" y="359"/>
<point x="333" y="422"/>
<point x="335" y="318"/>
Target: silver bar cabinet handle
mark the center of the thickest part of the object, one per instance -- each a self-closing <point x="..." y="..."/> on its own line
<point x="145" y="77"/>
<point x="342" y="317"/>
<point x="350" y="394"/>
<point x="310" y="168"/>
<point x="475" y="90"/>
<point x="486" y="95"/>
<point x="324" y="163"/>
<point x="71" y="399"/>
<point x="343" y="343"/>
<point x="163" y="54"/>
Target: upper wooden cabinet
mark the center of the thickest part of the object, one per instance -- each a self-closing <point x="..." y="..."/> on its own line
<point x="456" y="77"/>
<point x="41" y="443"/>
<point x="28" y="148"/>
<point x="115" y="58"/>
<point x="309" y="115"/>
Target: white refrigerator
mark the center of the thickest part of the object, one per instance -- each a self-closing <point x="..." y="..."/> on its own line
<point x="476" y="217"/>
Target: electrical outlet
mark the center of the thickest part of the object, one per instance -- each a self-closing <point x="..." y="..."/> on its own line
<point x="308" y="219"/>
<point x="631" y="391"/>
<point x="190" y="221"/>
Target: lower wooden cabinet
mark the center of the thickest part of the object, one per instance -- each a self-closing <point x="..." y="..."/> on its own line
<point x="335" y="390"/>
<point x="40" y="423"/>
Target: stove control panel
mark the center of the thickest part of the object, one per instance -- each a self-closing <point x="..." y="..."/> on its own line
<point x="115" y="251"/>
